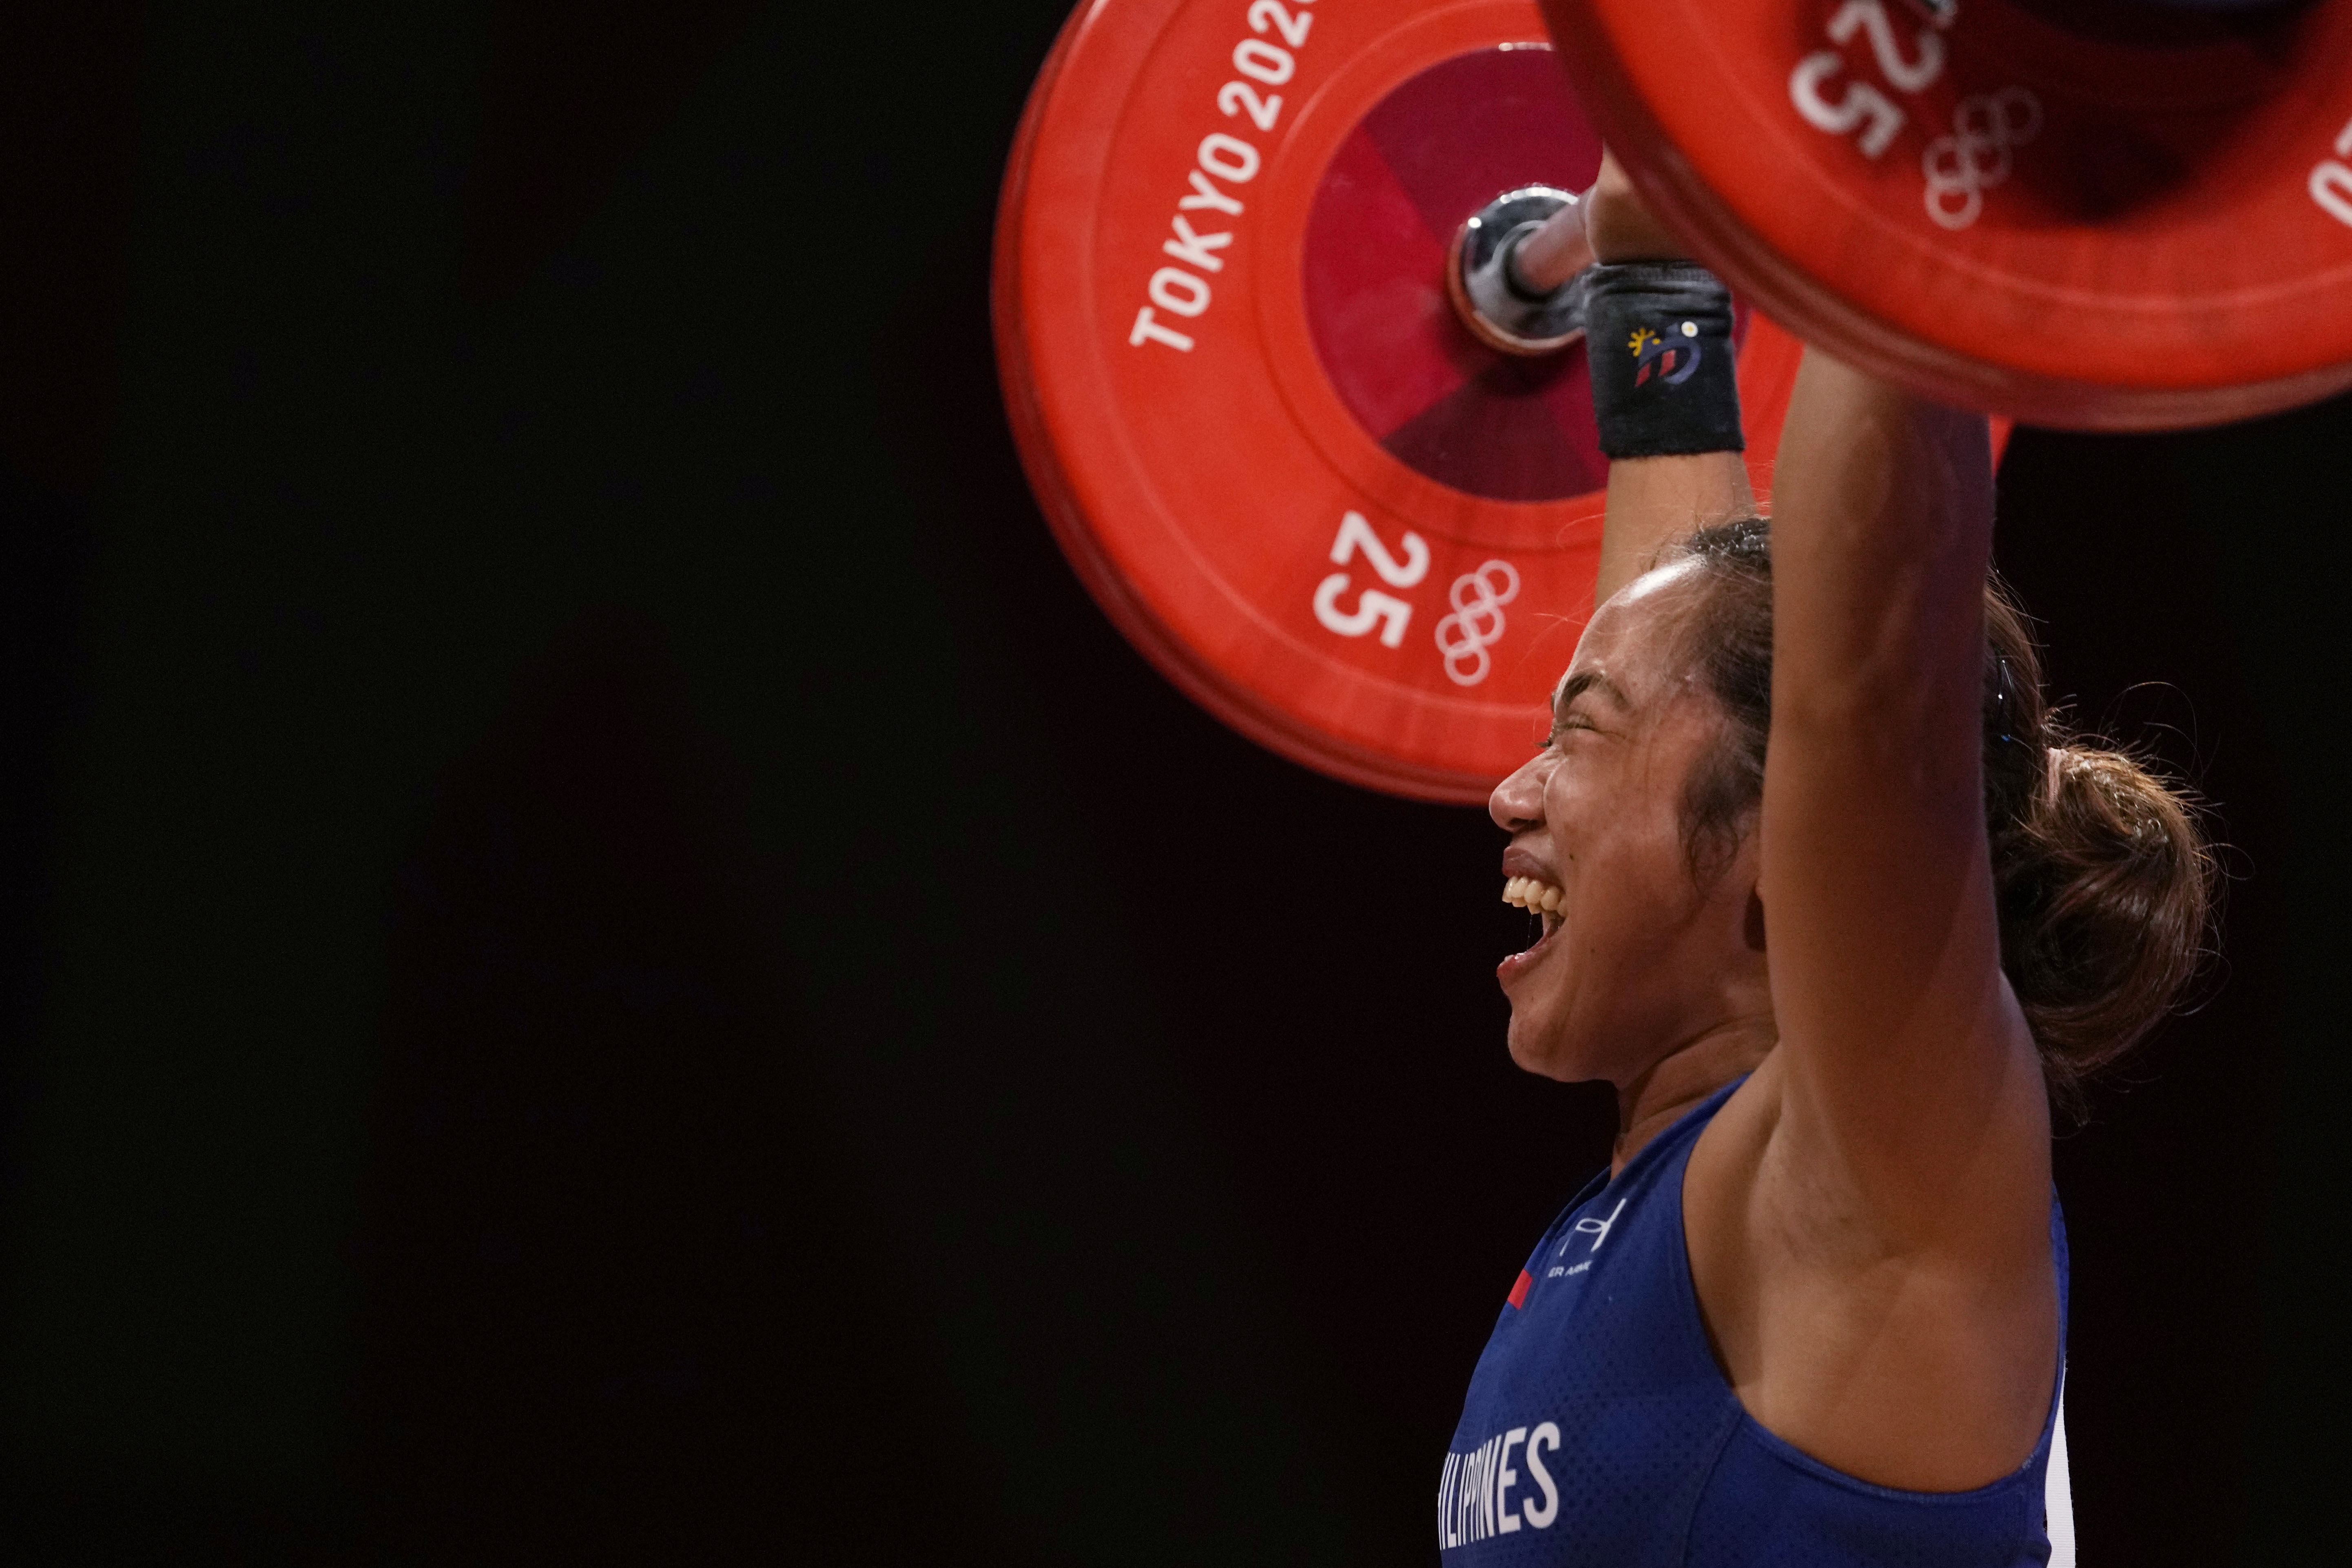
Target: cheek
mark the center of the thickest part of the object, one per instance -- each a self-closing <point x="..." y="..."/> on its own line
<point x="1574" y="808"/>
<point x="1623" y="871"/>
<point x="1622" y="820"/>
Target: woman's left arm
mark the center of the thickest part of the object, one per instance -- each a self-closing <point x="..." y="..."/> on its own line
<point x="1909" y="1079"/>
<point x="1868" y="1222"/>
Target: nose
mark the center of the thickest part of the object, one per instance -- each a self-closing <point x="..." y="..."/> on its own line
<point x="1517" y="803"/>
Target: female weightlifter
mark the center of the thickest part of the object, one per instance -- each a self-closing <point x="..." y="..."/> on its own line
<point x="1839" y="907"/>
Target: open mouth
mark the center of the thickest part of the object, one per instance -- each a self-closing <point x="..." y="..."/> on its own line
<point x="1539" y="898"/>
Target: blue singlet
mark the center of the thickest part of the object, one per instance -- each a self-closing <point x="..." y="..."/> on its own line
<point x="1599" y="1431"/>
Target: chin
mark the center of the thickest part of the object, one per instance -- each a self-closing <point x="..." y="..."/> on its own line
<point x="1533" y="1051"/>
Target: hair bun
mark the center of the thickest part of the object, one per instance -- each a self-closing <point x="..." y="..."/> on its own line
<point x="2105" y="889"/>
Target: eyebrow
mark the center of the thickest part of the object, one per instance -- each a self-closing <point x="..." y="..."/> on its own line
<point x="1576" y="684"/>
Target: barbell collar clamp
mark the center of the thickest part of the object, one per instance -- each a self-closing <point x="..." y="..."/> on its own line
<point x="1491" y="300"/>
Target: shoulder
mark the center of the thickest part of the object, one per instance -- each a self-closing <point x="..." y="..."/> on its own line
<point x="1917" y="1352"/>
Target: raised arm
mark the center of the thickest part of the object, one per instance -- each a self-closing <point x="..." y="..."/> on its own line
<point x="1868" y="1221"/>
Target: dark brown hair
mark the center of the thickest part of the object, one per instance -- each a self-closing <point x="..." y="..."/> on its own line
<point x="2103" y="880"/>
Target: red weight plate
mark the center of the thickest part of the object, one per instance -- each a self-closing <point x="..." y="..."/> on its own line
<point x="1273" y="455"/>
<point x="2086" y="214"/>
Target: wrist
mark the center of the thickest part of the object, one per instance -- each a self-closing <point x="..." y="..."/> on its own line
<point x="1664" y="376"/>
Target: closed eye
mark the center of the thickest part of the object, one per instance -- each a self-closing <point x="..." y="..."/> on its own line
<point x="1568" y="704"/>
<point x="1564" y="724"/>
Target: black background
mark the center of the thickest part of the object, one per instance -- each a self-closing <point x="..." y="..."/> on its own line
<point x="606" y="960"/>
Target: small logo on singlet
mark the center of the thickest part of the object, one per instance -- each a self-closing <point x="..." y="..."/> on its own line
<point x="1598" y="1229"/>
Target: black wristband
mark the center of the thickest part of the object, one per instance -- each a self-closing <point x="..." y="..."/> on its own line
<point x="1658" y="338"/>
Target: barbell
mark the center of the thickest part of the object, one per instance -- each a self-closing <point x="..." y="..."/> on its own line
<point x="1278" y="373"/>
<point x="2103" y="215"/>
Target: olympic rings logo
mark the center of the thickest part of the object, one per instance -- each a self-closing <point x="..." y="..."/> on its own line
<point x="1476" y="623"/>
<point x="1976" y="156"/>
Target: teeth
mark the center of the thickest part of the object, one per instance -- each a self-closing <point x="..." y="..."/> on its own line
<point x="1538" y="898"/>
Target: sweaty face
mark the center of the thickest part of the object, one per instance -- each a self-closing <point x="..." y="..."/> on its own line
<point x="1634" y="953"/>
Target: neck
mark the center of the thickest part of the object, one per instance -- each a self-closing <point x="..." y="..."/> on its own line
<point x="1648" y="1105"/>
